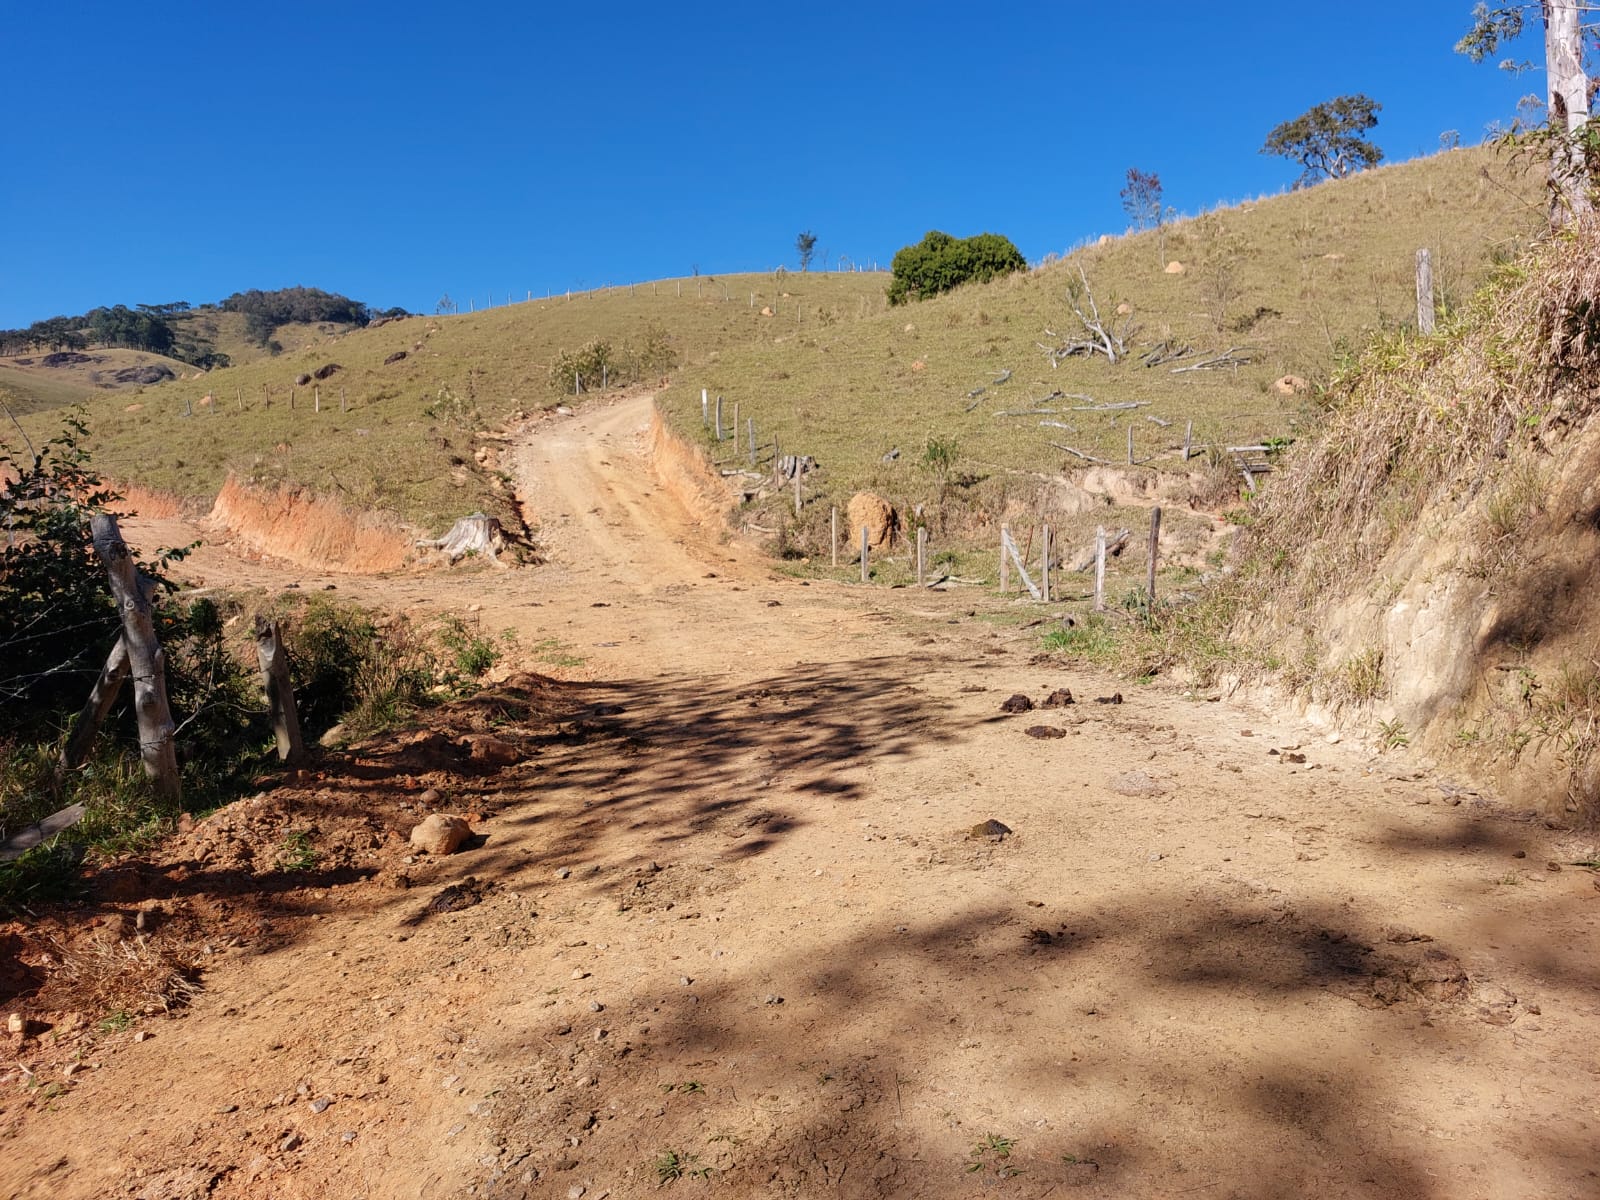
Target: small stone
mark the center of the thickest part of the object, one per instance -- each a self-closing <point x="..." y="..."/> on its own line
<point x="1332" y="739"/>
<point x="320" y="1105"/>
<point x="600" y="1035"/>
<point x="773" y="999"/>
<point x="290" y="1142"/>
<point x="1045" y="731"/>
<point x="71" y="1069"/>
<point x="429" y="797"/>
<point x="596" y="1006"/>
<point x="579" y="973"/>
<point x="685" y="980"/>
<point x="1137" y="784"/>
<point x="989" y="829"/>
<point x="1059" y="698"/>
<point x="348" y="1136"/>
<point x="455" y="1129"/>
<point x="142" y="1036"/>
<point x="564" y="872"/>
<point x="1519" y="854"/>
<point x="16" y="1023"/>
<point x="576" y="1191"/>
<point x="228" y="1108"/>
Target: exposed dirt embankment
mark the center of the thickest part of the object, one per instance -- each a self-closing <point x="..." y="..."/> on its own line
<point x="687" y="474"/>
<point x="311" y="530"/>
<point x="1429" y="559"/>
<point x="154" y="505"/>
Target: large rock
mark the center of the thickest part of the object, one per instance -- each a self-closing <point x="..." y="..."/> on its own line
<point x="1289" y="385"/>
<point x="1175" y="268"/>
<point x="876" y="514"/>
<point x="440" y="834"/>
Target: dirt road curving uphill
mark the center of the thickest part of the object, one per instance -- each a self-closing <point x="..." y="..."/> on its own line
<point x="739" y="928"/>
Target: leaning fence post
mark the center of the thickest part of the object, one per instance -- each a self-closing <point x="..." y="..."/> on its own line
<point x="95" y="708"/>
<point x="1155" y="549"/>
<point x="280" y="691"/>
<point x="922" y="551"/>
<point x="146" y="661"/>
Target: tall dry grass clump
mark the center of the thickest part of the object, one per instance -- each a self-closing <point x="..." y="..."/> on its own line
<point x="1417" y="420"/>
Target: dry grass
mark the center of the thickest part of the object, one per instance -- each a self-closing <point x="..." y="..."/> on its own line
<point x="115" y="970"/>
<point x="1415" y="418"/>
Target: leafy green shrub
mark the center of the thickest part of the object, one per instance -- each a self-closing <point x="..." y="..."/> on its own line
<point x="940" y="262"/>
<point x="599" y="364"/>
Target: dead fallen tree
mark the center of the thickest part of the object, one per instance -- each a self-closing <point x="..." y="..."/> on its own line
<point x="1098" y="335"/>
<point x="477" y="534"/>
<point x="1115" y="545"/>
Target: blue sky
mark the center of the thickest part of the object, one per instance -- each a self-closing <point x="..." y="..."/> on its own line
<point x="400" y="151"/>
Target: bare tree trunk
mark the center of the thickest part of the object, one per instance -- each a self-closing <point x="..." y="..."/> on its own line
<point x="1568" y="111"/>
<point x="95" y="708"/>
<point x="147" y="662"/>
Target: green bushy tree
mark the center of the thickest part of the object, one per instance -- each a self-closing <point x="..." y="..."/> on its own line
<point x="940" y="262"/>
<point x="1326" y="139"/>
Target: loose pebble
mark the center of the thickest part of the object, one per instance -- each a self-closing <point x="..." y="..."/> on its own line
<point x="320" y="1105"/>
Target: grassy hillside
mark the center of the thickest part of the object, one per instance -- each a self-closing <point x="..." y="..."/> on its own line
<point x="832" y="371"/>
<point x="32" y="382"/>
<point x="1293" y="282"/>
<point x="405" y="442"/>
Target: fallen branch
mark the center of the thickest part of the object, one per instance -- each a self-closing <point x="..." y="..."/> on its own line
<point x="1165" y="352"/>
<point x="1158" y="421"/>
<point x="1059" y="425"/>
<point x="1233" y="356"/>
<point x="1081" y="454"/>
<point x="1113" y="407"/>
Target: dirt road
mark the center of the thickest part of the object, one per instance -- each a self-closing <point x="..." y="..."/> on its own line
<point x="736" y="933"/>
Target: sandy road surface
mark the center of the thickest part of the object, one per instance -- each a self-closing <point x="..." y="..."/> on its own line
<point x="740" y="941"/>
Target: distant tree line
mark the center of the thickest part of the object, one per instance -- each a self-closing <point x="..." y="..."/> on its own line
<point x="163" y="328"/>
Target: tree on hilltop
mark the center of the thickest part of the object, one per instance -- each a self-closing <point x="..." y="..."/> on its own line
<point x="805" y="246"/>
<point x="1326" y="139"/>
<point x="1141" y="198"/>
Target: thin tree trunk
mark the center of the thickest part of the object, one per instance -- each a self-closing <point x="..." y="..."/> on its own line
<point x="1568" y="111"/>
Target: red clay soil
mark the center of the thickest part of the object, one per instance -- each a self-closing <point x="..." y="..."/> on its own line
<point x="769" y="897"/>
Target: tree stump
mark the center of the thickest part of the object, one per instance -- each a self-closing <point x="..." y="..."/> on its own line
<point x="477" y="534"/>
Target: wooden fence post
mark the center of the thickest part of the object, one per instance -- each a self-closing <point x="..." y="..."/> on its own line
<point x="864" y="576"/>
<point x="147" y="663"/>
<point x="834" y="534"/>
<point x="342" y="406"/>
<point x="1044" y="583"/>
<point x="750" y="424"/>
<point x="1424" y="291"/>
<point x="95" y="708"/>
<point x="317" y="398"/>
<point x="777" y="476"/>
<point x="280" y="692"/>
<point x="1155" y="550"/>
<point x="705" y="411"/>
<point x="1188" y="439"/>
<point x="719" y="418"/>
<point x="1099" y="568"/>
<point x="797" y="474"/>
<point x="733" y="430"/>
<point x="922" y="551"/>
<point x="1130" y="443"/>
